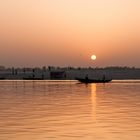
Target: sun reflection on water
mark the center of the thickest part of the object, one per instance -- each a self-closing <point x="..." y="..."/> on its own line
<point x="93" y="101"/>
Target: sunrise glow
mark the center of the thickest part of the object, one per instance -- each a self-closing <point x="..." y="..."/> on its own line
<point x="52" y="32"/>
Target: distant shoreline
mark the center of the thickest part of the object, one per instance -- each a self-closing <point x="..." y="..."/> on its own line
<point x="69" y="73"/>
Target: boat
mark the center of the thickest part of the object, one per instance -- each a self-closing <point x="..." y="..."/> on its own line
<point x="2" y="78"/>
<point x="86" y="80"/>
<point x="31" y="78"/>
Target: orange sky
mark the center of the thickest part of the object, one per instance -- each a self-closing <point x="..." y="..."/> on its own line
<point x="68" y="32"/>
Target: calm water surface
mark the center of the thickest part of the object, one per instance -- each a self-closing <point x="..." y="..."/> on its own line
<point x="42" y="110"/>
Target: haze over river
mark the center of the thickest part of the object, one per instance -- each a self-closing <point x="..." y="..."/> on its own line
<point x="67" y="110"/>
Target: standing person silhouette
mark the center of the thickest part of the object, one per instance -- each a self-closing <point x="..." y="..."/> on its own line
<point x="86" y="77"/>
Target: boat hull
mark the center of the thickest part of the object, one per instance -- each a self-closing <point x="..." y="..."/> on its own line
<point x="33" y="79"/>
<point x="93" y="80"/>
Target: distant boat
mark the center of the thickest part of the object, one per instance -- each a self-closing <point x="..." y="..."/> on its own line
<point x="31" y="78"/>
<point x="86" y="80"/>
<point x="2" y="78"/>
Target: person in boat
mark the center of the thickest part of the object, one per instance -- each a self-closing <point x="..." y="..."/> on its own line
<point x="86" y="78"/>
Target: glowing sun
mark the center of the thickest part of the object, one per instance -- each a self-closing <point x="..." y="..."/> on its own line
<point x="93" y="57"/>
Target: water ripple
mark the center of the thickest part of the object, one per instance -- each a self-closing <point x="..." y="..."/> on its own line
<point x="69" y="111"/>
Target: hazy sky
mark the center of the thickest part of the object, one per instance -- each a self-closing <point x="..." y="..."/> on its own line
<point x="68" y="32"/>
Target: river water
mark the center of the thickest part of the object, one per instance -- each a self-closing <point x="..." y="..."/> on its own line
<point x="67" y="110"/>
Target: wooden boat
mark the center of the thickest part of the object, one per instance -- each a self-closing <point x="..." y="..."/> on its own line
<point x="2" y="78"/>
<point x="31" y="78"/>
<point x="86" y="80"/>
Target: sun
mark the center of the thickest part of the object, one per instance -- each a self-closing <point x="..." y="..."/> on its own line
<point x="93" y="57"/>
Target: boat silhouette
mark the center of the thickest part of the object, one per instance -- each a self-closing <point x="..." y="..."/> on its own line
<point x="87" y="80"/>
<point x="32" y="78"/>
